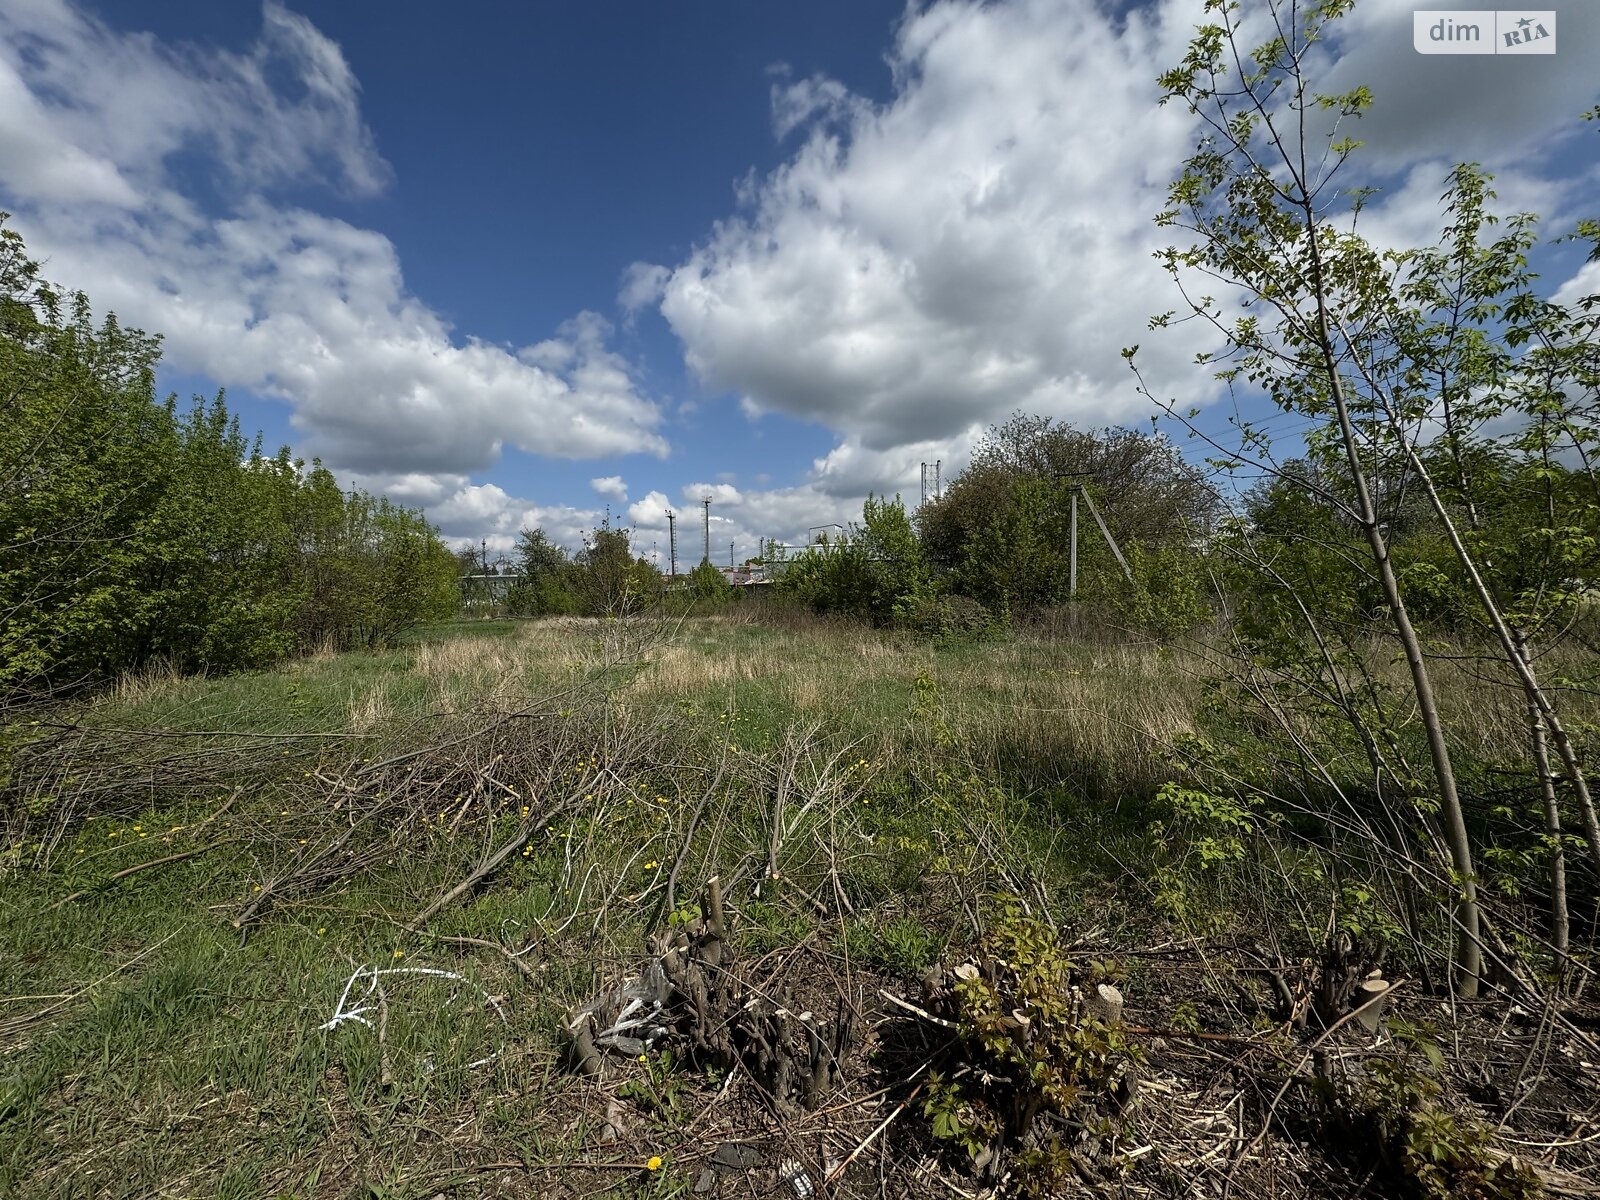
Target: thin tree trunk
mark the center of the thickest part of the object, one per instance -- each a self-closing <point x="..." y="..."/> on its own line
<point x="1552" y="829"/>
<point x="1469" y="959"/>
<point x="1469" y="954"/>
<point x="1515" y="648"/>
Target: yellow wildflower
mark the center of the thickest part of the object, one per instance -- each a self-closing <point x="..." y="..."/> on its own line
<point x="654" y="1164"/>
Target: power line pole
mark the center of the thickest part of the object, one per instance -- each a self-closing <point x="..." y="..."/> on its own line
<point x="1076" y="484"/>
<point x="1106" y="533"/>
<point x="1078" y="489"/>
<point x="706" y="501"/>
<point x="730" y="556"/>
<point x="672" y="539"/>
<point x="938" y="488"/>
<point x="922" y="502"/>
<point x="1072" y="550"/>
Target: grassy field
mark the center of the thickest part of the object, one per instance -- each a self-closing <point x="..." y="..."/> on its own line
<point x="204" y="877"/>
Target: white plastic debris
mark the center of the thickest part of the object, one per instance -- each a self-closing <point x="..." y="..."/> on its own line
<point x="791" y="1171"/>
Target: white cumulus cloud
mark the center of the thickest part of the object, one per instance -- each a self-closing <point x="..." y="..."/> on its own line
<point x="268" y="295"/>
<point x="981" y="242"/>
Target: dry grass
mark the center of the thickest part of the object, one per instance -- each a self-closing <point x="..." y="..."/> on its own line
<point x="369" y="709"/>
<point x="152" y="681"/>
<point x="859" y="794"/>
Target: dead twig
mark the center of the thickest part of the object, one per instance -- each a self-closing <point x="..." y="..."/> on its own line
<point x="487" y="866"/>
<point x="134" y="870"/>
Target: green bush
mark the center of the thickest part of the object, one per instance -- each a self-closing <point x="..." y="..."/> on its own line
<point x="867" y="573"/>
<point x="1031" y="1072"/>
<point x="134" y="533"/>
<point x="1428" y="1152"/>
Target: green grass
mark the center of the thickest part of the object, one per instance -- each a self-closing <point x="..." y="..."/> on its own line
<point x="185" y="1057"/>
<point x="150" y="1048"/>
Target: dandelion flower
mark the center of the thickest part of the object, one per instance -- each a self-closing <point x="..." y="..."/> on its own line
<point x="399" y="953"/>
<point x="654" y="1164"/>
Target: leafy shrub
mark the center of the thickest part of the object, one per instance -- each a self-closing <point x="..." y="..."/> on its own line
<point x="1034" y="1082"/>
<point x="135" y="532"/>
<point x="925" y="611"/>
<point x="1431" y="1153"/>
<point x="868" y="573"/>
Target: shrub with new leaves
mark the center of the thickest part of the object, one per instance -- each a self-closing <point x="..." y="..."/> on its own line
<point x="1034" y="1084"/>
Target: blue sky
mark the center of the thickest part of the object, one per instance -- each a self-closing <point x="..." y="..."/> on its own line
<point x="514" y="262"/>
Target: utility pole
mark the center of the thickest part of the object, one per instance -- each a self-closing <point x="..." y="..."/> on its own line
<point x="1078" y="489"/>
<point x="1072" y="551"/>
<point x="1106" y="533"/>
<point x="730" y="556"/>
<point x="923" y="501"/>
<point x="1076" y="478"/>
<point x="706" y="502"/>
<point x="938" y="488"/>
<point x="672" y="540"/>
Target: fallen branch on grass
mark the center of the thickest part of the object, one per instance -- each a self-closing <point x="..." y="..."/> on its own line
<point x="514" y="957"/>
<point x="303" y="872"/>
<point x="134" y="870"/>
<point x="488" y="866"/>
<point x="375" y="977"/>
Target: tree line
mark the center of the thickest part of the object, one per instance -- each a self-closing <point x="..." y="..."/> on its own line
<point x="997" y="546"/>
<point x="135" y="530"/>
<point x="604" y="578"/>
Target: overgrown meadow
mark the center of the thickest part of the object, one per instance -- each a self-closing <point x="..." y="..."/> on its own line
<point x="205" y="877"/>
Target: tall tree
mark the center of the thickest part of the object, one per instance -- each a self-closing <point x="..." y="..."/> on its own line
<point x="1258" y="199"/>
